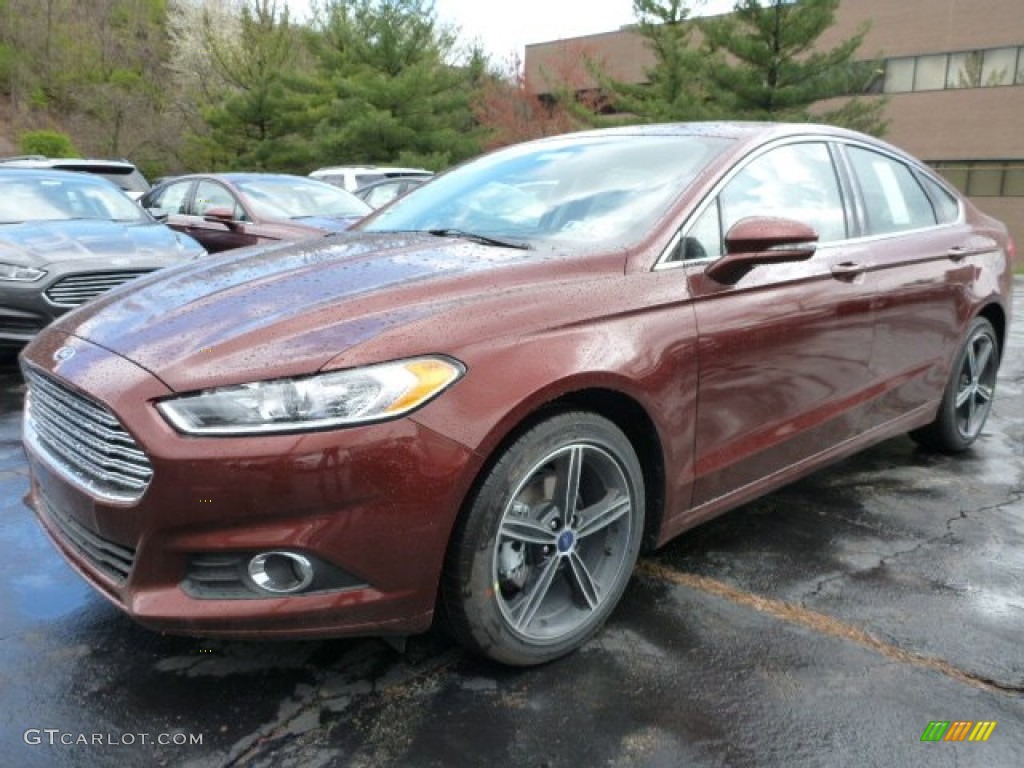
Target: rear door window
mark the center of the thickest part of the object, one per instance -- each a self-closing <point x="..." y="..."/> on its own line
<point x="893" y="199"/>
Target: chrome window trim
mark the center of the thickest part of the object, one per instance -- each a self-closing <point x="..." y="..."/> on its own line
<point x="664" y="261"/>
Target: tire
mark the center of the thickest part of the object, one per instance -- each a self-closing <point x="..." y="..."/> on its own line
<point x="526" y="583"/>
<point x="968" y="397"/>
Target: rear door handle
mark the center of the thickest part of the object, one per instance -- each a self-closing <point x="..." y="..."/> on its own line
<point x="847" y="270"/>
<point x="958" y="252"/>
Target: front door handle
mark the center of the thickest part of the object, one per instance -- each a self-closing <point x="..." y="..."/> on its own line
<point x="847" y="270"/>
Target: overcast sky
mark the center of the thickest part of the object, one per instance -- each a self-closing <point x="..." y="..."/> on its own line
<point x="505" y="27"/>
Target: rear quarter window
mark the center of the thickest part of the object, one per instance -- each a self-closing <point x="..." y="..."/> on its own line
<point x="894" y="200"/>
<point x="947" y="207"/>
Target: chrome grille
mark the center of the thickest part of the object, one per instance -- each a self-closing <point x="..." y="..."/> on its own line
<point x="112" y="559"/>
<point x="83" y="441"/>
<point x="74" y="290"/>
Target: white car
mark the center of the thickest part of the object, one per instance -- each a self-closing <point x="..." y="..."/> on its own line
<point x="123" y="173"/>
<point x="352" y="177"/>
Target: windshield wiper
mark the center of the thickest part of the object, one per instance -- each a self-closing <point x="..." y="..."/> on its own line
<point x="482" y="239"/>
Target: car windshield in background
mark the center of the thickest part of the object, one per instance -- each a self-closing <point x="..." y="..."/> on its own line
<point x="64" y="199"/>
<point x="127" y="177"/>
<point x="603" y="191"/>
<point x="129" y="180"/>
<point x="299" y="198"/>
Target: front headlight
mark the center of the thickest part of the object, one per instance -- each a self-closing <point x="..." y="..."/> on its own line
<point x="320" y="401"/>
<point x="20" y="274"/>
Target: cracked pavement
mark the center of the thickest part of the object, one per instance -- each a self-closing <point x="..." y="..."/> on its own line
<point x="826" y="624"/>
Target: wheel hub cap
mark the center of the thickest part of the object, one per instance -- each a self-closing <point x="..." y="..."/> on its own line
<point x="566" y="541"/>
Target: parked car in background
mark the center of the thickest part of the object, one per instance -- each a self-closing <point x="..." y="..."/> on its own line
<point x="123" y="173"/>
<point x="65" y="238"/>
<point x="353" y="177"/>
<point x="490" y="394"/>
<point x="380" y="193"/>
<point x="233" y="210"/>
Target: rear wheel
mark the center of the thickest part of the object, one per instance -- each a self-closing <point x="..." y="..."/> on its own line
<point x="548" y="543"/>
<point x="968" y="397"/>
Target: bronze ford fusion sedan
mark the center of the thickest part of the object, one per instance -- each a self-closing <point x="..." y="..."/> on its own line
<point x="497" y="390"/>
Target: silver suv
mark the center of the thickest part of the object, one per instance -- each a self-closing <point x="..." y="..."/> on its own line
<point x="123" y="173"/>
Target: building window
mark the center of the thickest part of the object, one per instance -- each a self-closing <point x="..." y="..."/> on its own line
<point x="985" y="181"/>
<point x="930" y="74"/>
<point x="984" y="178"/>
<point x="899" y="75"/>
<point x="1000" y="67"/>
<point x="965" y="69"/>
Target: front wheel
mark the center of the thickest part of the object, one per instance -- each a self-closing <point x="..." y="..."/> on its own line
<point x="968" y="397"/>
<point x="548" y="543"/>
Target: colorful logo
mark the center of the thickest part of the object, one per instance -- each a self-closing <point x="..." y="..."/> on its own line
<point x="958" y="730"/>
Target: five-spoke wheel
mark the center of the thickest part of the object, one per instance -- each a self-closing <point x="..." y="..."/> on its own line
<point x="549" y="542"/>
<point x="968" y="396"/>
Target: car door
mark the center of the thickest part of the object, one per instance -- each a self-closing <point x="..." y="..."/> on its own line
<point x="219" y="234"/>
<point x="919" y="249"/>
<point x="784" y="351"/>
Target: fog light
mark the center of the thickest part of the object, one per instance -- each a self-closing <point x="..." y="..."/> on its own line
<point x="282" y="573"/>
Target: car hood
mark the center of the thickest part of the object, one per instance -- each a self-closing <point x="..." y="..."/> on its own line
<point x="39" y="243"/>
<point x="289" y="308"/>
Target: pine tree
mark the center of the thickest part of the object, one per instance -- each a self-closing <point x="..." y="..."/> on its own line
<point x="388" y="91"/>
<point x="674" y="89"/>
<point x="251" y="119"/>
<point x="762" y="63"/>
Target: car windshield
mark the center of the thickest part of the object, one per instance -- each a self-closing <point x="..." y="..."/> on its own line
<point x="128" y="180"/>
<point x="65" y="199"/>
<point x="605" y="191"/>
<point x="298" y="198"/>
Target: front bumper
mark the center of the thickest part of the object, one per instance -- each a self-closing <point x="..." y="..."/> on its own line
<point x="373" y="505"/>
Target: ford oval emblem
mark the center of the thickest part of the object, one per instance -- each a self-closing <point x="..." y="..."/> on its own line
<point x="64" y="353"/>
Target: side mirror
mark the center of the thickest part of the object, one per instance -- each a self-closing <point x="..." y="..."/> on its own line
<point x="221" y="214"/>
<point x="160" y="214"/>
<point x="759" y="240"/>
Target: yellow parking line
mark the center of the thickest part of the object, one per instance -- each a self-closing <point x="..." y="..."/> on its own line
<point x="817" y="622"/>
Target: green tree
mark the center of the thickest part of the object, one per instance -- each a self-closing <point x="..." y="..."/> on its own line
<point x="247" y="104"/>
<point x="763" y="63"/>
<point x="46" y="142"/>
<point x="674" y="87"/>
<point x="390" y="89"/>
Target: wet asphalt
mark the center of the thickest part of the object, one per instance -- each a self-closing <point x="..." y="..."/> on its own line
<point x="824" y="625"/>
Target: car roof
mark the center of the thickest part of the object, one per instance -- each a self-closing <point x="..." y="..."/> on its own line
<point x="371" y="168"/>
<point x="744" y="132"/>
<point x="39" y="161"/>
<point x="43" y="174"/>
<point x="233" y="176"/>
